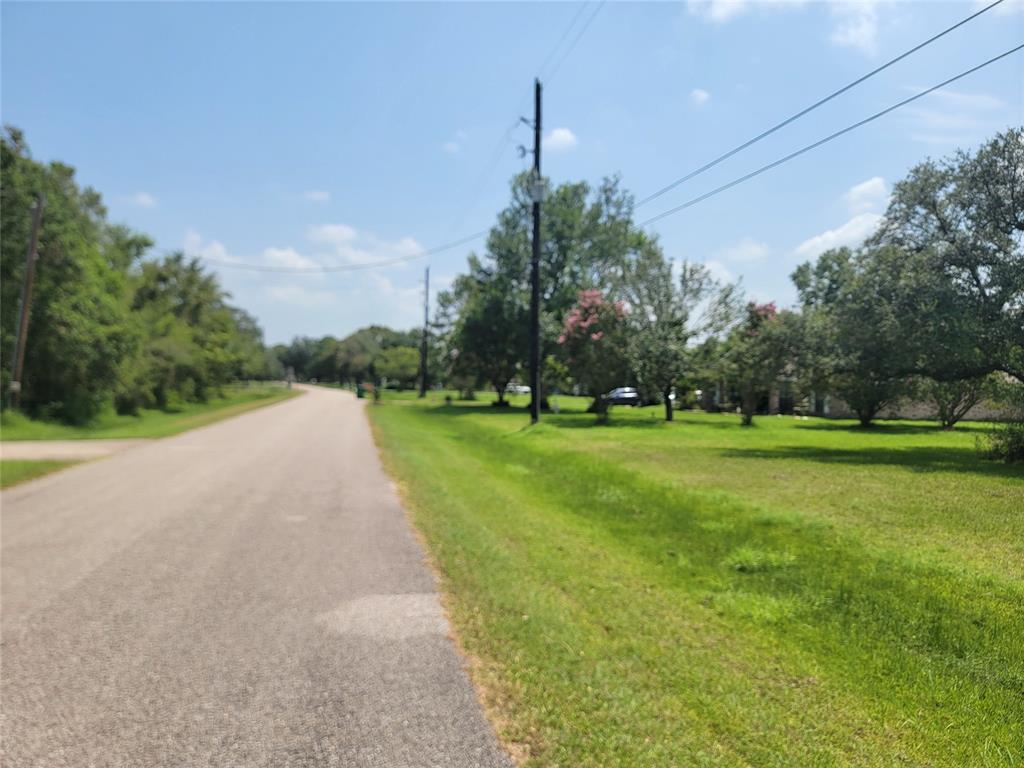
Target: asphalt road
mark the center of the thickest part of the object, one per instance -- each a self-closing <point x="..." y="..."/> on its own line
<point x="245" y="594"/>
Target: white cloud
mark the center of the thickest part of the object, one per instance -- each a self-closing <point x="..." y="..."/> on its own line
<point x="721" y="11"/>
<point x="560" y="140"/>
<point x="870" y="195"/>
<point x="699" y="97"/>
<point x="719" y="271"/>
<point x="194" y="245"/>
<point x="293" y="293"/>
<point x="717" y="11"/>
<point x="143" y="200"/>
<point x="856" y="25"/>
<point x="1010" y="6"/>
<point x="850" y="234"/>
<point x="956" y="118"/>
<point x="745" y="251"/>
<point x="338" y="244"/>
<point x="317" y="195"/>
<point x="332" y="234"/>
<point x="287" y="257"/>
<point x="454" y="146"/>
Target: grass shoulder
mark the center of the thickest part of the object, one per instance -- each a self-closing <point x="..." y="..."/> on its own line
<point x="698" y="593"/>
<point x="14" y="471"/>
<point x="149" y="423"/>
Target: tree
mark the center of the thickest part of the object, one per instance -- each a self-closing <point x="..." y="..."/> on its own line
<point x="855" y="337"/>
<point x="399" y="364"/>
<point x="593" y="340"/>
<point x="663" y="317"/>
<point x="953" y="399"/>
<point x="79" y="331"/>
<point x="586" y="234"/>
<point x="757" y="352"/>
<point x="963" y="219"/>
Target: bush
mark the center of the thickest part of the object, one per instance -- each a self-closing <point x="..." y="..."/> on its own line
<point x="1006" y="443"/>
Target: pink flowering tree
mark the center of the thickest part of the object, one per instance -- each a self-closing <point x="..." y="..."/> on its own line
<point x="758" y="352"/>
<point x="593" y="345"/>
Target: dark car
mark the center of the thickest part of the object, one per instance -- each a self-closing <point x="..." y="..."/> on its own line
<point x="622" y="396"/>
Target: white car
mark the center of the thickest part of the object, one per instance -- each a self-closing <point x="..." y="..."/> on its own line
<point x="517" y="389"/>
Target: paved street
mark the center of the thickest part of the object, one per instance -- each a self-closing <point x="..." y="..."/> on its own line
<point x="245" y="594"/>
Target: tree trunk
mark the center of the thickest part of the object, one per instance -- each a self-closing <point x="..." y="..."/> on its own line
<point x="668" y="404"/>
<point x="748" y="406"/>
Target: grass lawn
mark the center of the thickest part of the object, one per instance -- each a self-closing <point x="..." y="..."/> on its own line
<point x="150" y="423"/>
<point x="803" y="592"/>
<point x="14" y="471"/>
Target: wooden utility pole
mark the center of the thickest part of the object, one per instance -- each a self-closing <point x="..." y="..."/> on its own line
<point x="538" y="191"/>
<point x="26" y="302"/>
<point x="426" y="326"/>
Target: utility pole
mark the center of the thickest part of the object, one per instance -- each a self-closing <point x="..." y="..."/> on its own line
<point x="426" y="326"/>
<point x="26" y="301"/>
<point x="538" y="191"/>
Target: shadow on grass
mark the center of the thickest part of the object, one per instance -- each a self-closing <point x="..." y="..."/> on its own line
<point x="915" y="459"/>
<point x="893" y="428"/>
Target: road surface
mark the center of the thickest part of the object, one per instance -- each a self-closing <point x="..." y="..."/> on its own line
<point x="245" y="594"/>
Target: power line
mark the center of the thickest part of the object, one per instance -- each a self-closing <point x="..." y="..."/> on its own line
<point x="345" y="267"/>
<point x="503" y="140"/>
<point x="825" y="140"/>
<point x="579" y="36"/>
<point x="812" y="107"/>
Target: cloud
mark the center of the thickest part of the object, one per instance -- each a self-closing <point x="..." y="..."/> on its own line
<point x="870" y="195"/>
<point x="956" y="118"/>
<point x="317" y="196"/>
<point x="719" y="271"/>
<point x="560" y="140"/>
<point x="332" y="234"/>
<point x="287" y="257"/>
<point x="454" y="146"/>
<point x="194" y="245"/>
<point x="722" y="11"/>
<point x="716" y="11"/>
<point x="143" y="200"/>
<point x="699" y="97"/>
<point x="856" y="26"/>
<point x="745" y="251"/>
<point x="292" y="293"/>
<point x="339" y="244"/>
<point x="851" y="234"/>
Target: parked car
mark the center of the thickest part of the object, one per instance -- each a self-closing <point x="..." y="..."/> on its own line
<point x="512" y="388"/>
<point x="622" y="396"/>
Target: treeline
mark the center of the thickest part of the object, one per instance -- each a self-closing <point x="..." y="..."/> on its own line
<point x="109" y="326"/>
<point x="932" y="305"/>
<point x="376" y="355"/>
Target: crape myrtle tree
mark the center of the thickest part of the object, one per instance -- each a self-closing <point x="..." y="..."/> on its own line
<point x="757" y="352"/>
<point x="593" y="342"/>
<point x="666" y="312"/>
<point x="586" y="233"/>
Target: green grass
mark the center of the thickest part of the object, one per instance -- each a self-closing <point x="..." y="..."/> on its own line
<point x="697" y="593"/>
<point x="14" y="471"/>
<point x="150" y="423"/>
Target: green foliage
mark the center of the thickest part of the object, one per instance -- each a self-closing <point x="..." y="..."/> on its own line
<point x="106" y="325"/>
<point x="400" y="365"/>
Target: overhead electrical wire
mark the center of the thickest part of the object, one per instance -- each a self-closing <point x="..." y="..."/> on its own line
<point x="812" y="107"/>
<point x="830" y="137"/>
<point x="346" y="267"/>
<point x="489" y="169"/>
<point x="689" y="203"/>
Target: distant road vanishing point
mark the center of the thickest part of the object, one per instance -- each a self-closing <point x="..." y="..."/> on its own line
<point x="245" y="594"/>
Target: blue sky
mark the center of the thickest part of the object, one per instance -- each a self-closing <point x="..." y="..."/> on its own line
<point x="302" y="133"/>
